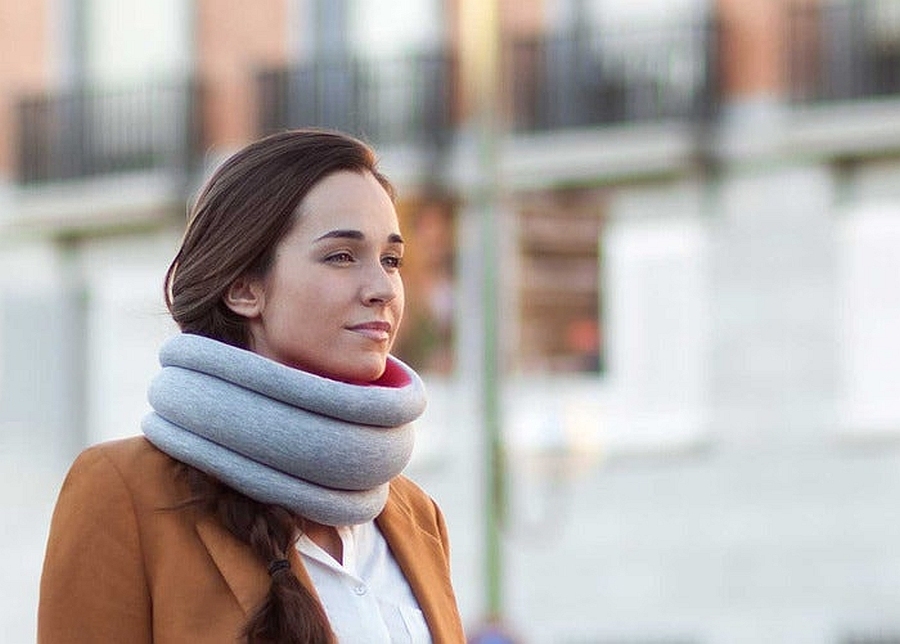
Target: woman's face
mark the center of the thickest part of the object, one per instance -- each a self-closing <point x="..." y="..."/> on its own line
<point x="333" y="298"/>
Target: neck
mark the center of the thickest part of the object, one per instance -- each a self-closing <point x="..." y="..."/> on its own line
<point x="326" y="537"/>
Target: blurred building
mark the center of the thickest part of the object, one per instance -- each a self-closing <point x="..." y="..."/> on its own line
<point x="699" y="214"/>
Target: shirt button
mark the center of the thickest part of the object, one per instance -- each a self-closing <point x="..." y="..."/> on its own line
<point x="360" y="589"/>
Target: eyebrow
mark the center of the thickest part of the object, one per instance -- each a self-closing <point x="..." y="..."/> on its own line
<point x="343" y="233"/>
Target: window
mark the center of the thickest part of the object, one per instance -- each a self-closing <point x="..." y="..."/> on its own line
<point x="868" y="315"/>
<point x="558" y="282"/>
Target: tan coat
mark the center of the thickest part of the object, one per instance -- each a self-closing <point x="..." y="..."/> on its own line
<point x="123" y="565"/>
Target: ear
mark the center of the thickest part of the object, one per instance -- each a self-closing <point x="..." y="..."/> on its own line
<point x="246" y="296"/>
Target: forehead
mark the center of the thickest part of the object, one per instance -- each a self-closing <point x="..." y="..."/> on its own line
<point x="345" y="199"/>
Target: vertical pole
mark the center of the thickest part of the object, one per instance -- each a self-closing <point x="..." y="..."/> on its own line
<point x="495" y="499"/>
<point x="479" y="24"/>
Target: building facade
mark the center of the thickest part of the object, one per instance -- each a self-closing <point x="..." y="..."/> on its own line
<point x="693" y="210"/>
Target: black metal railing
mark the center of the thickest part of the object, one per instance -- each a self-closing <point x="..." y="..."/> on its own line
<point x="408" y="100"/>
<point x="596" y="78"/>
<point x="92" y="131"/>
<point x="843" y="50"/>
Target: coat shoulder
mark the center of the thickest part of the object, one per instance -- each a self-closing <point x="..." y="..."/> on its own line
<point x="417" y="508"/>
<point x="149" y="474"/>
<point x="127" y="452"/>
<point x="413" y="498"/>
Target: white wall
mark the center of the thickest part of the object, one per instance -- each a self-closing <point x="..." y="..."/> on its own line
<point x="128" y="40"/>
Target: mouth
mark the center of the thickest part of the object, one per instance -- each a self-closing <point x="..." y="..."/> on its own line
<point x="377" y="331"/>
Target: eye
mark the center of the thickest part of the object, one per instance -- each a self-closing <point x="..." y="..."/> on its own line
<point x="392" y="261"/>
<point x="342" y="257"/>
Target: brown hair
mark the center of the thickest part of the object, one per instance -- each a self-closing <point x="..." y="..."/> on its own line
<point x="241" y="214"/>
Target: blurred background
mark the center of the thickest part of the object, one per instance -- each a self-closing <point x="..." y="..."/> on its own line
<point x="653" y="282"/>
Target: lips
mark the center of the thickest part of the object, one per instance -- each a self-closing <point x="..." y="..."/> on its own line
<point x="376" y="330"/>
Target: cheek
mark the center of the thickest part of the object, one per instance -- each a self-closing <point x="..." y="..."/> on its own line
<point x="291" y="301"/>
<point x="400" y="300"/>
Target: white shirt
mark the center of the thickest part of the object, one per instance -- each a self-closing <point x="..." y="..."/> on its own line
<point x="367" y="598"/>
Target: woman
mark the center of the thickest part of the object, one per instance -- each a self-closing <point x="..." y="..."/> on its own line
<point x="264" y="501"/>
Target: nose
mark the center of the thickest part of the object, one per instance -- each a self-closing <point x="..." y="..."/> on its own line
<point x="381" y="286"/>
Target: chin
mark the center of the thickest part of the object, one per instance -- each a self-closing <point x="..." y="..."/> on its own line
<point x="363" y="371"/>
<point x="370" y="375"/>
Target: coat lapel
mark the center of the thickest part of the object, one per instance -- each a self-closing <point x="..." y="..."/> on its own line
<point x="422" y="559"/>
<point x="245" y="575"/>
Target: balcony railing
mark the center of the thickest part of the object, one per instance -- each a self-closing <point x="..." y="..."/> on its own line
<point x="843" y="51"/>
<point x="387" y="102"/>
<point x="87" y="132"/>
<point x="595" y="79"/>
